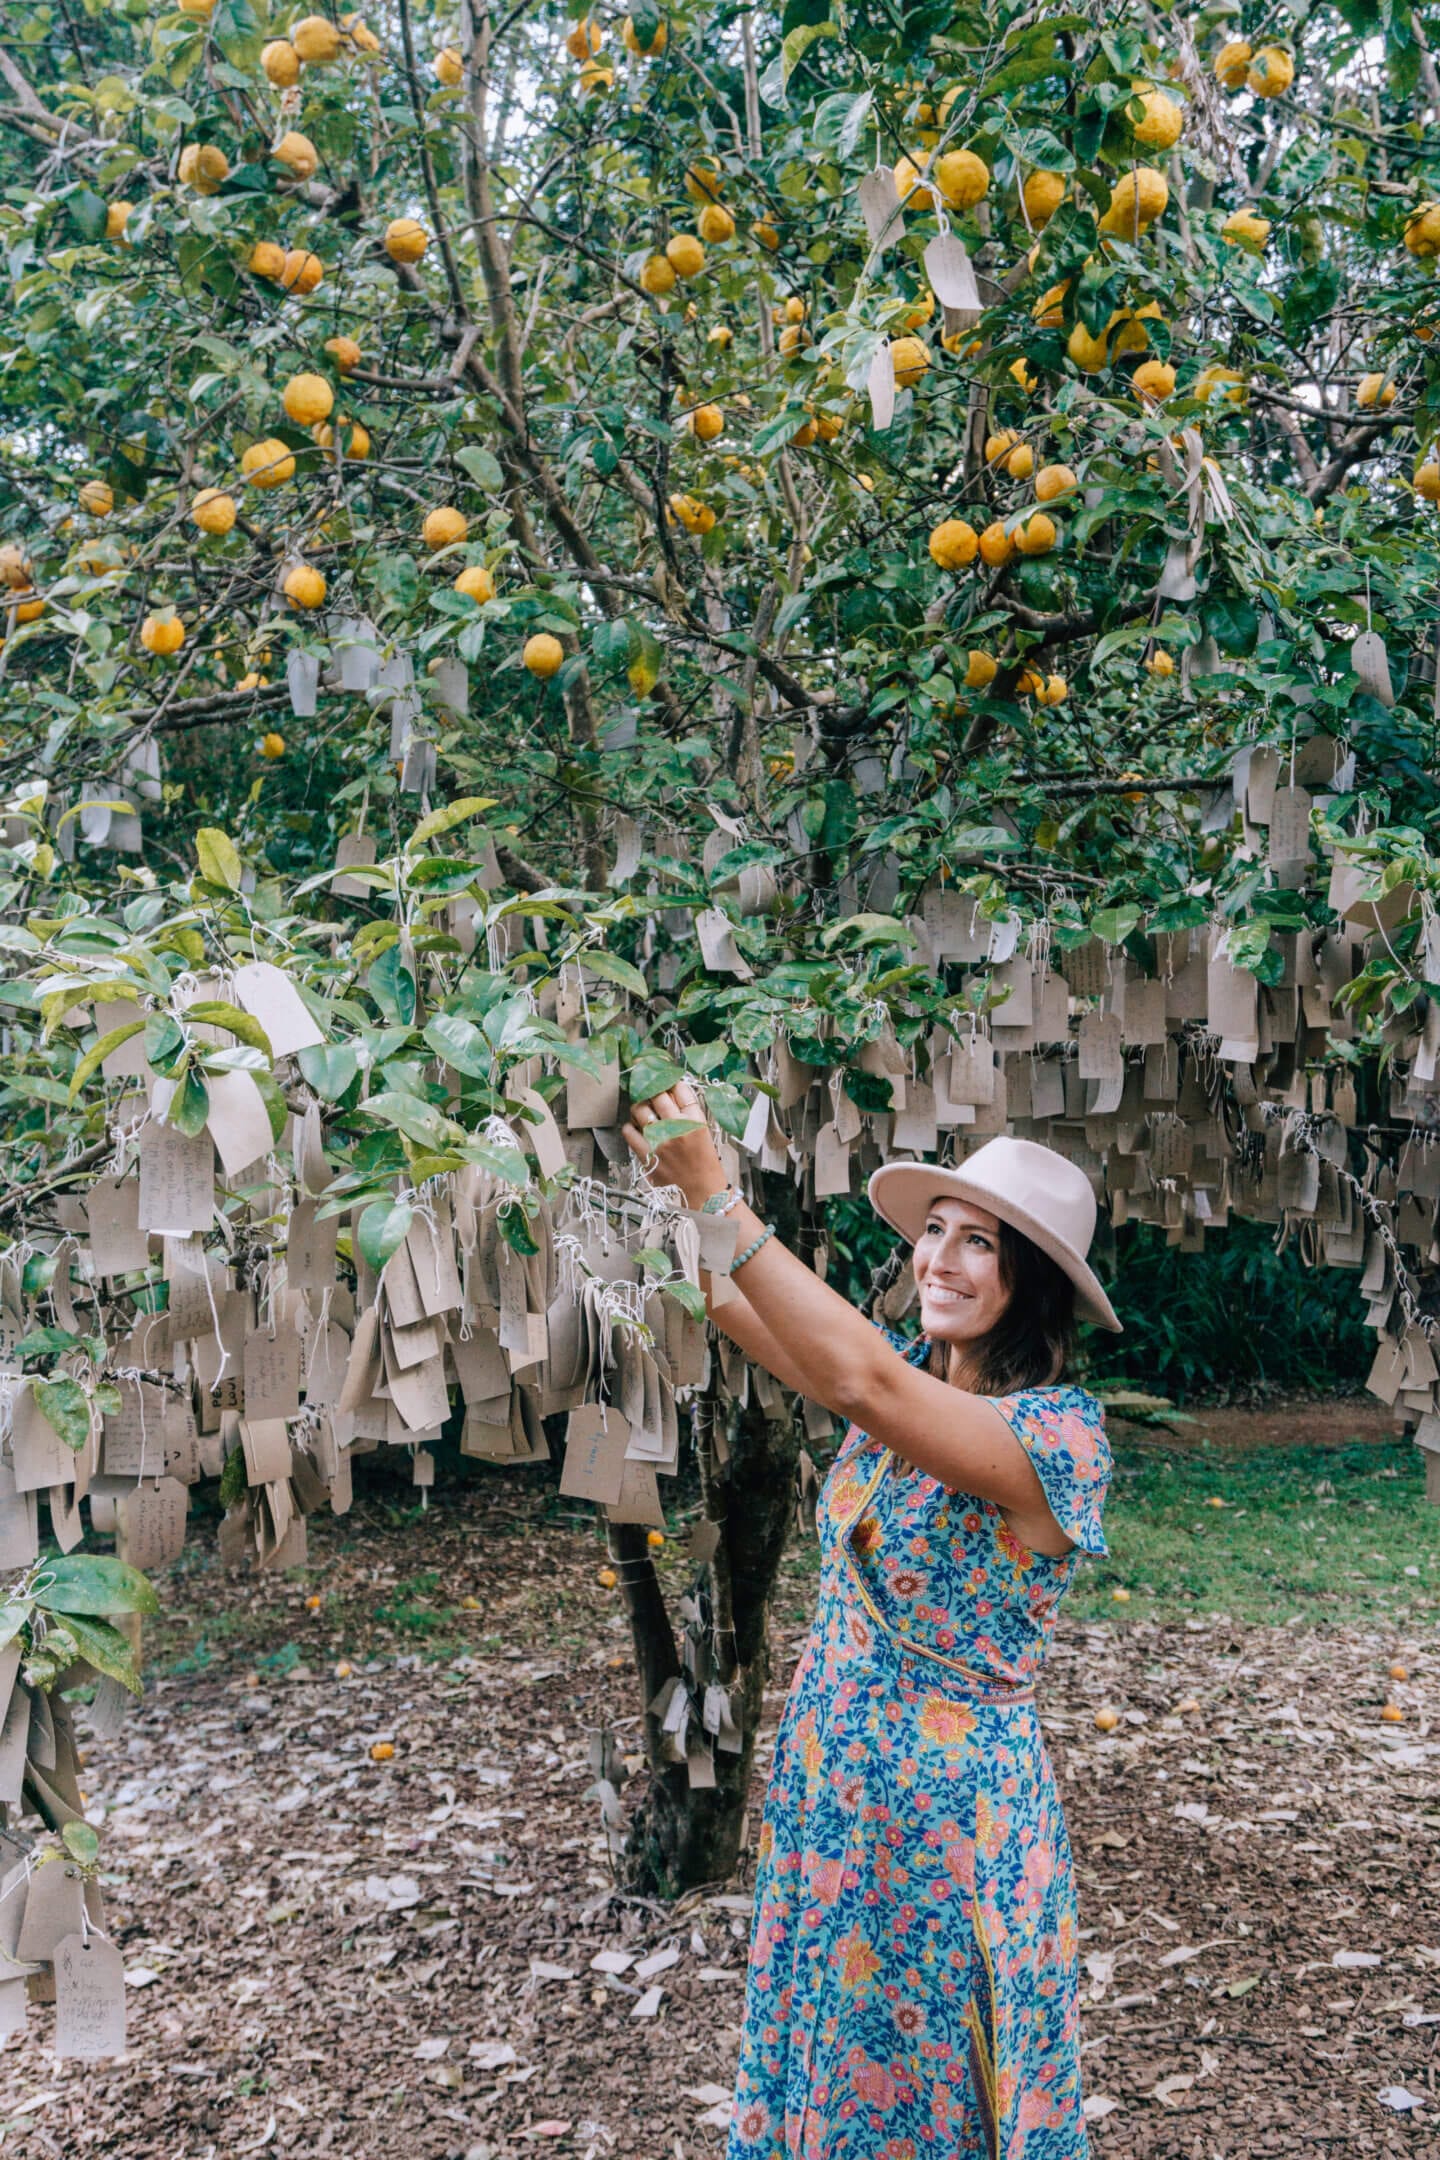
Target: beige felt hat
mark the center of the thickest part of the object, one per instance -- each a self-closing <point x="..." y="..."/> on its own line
<point x="1031" y="1187"/>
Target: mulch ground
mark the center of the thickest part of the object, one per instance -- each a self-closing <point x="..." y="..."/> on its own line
<point x="394" y="1961"/>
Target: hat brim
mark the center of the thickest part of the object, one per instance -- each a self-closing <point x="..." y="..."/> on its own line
<point x="902" y="1193"/>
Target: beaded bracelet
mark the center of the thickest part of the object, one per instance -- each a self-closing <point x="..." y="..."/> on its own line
<point x="750" y="1251"/>
<point x="729" y="1196"/>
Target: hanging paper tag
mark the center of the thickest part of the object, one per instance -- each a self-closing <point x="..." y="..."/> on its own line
<point x="89" y="1998"/>
<point x="880" y="207"/>
<point x="302" y="678"/>
<point x="1371" y="663"/>
<point x="952" y="278"/>
<point x="881" y="385"/>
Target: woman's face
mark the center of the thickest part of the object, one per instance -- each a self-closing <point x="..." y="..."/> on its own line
<point x="957" y="1272"/>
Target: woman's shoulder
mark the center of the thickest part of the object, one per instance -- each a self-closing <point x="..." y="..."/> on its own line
<point x="1060" y="1413"/>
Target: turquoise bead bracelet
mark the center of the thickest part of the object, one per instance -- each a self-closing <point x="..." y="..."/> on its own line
<point x="750" y="1251"/>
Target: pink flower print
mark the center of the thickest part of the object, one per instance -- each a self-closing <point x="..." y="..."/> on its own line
<point x="753" y="2122"/>
<point x="872" y="2082"/>
<point x="960" y="1863"/>
<point x="907" y="1584"/>
<point x="1039" y="1868"/>
<point x="828" y="1881"/>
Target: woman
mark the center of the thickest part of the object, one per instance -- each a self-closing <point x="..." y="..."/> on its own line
<point x="912" y="1983"/>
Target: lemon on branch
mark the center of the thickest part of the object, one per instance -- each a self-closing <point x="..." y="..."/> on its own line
<point x="316" y="40"/>
<point x="543" y="655"/>
<point x="953" y="544"/>
<point x="280" y="63"/>
<point x="307" y="399"/>
<point x="213" y="511"/>
<point x="476" y="581"/>
<point x="406" y="240"/>
<point x="443" y="527"/>
<point x="267" y="463"/>
<point x="204" y="167"/>
<point x="304" y="586"/>
<point x="162" y="634"/>
<point x="345" y="353"/>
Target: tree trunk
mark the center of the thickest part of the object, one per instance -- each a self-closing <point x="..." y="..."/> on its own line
<point x="683" y="1836"/>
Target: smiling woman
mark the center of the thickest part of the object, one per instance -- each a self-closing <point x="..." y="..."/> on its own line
<point x="912" y="1976"/>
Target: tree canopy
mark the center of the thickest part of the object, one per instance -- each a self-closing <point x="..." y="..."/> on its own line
<point x="884" y="556"/>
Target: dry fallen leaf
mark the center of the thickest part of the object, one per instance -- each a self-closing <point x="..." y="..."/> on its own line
<point x="1097" y="2105"/>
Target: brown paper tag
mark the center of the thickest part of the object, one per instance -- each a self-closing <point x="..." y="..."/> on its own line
<point x="272" y="1373"/>
<point x="239" y="1123"/>
<point x="596" y="1441"/>
<point x="150" y="1523"/>
<point x="89" y="1998"/>
<point x="112" y="1211"/>
<point x="177" y="1180"/>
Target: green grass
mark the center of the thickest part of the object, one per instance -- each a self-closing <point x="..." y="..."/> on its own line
<point x="1324" y="1536"/>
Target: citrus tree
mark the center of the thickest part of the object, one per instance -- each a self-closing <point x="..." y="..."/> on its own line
<point x="736" y="526"/>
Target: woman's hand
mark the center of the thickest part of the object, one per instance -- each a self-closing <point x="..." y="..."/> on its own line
<point x="687" y="1159"/>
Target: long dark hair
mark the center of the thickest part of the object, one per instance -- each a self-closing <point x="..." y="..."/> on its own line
<point x="1034" y="1339"/>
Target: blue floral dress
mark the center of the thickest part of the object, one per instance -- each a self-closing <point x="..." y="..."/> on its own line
<point x="911" y="1991"/>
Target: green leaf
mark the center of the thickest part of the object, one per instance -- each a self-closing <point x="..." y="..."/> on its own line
<point x="106" y="1649"/>
<point x="91" y="1583"/>
<point x="418" y="1120"/>
<point x="190" y="1105"/>
<point x="688" y="1294"/>
<point x="482" y="465"/>
<point x="611" y="968"/>
<point x="671" y="1128"/>
<point x="461" y="1044"/>
<point x="1115" y="924"/>
<point x="651" y="1074"/>
<point x="218" y="857"/>
<point x="514" y="1227"/>
<point x="96" y="1057"/>
<point x="381" y="1231"/>
<point x="444" y="820"/>
<point x="65" y="1407"/>
<point x="214" y="1012"/>
<point x="80" y="1841"/>
<point x="329" y="1068"/>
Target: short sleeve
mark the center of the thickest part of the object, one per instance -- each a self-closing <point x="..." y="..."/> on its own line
<point x="1062" y="1430"/>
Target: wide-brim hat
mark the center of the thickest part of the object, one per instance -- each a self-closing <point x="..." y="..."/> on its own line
<point x="1037" y="1191"/>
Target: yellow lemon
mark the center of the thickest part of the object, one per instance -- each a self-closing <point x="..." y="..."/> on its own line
<point x="1021" y="375"/>
<point x="304" y="586"/>
<point x="449" y="67"/>
<point x="477" y="582"/>
<point x="704" y="180"/>
<point x="721" y="335"/>
<point x="1422" y="230"/>
<point x="354" y="439"/>
<point x="162" y="634"/>
<point x="707" y="422"/>
<point x="716" y="223"/>
<point x="586" y="38"/>
<point x="316" y="39"/>
<point x="307" y="398"/>
<point x="344" y="352"/>
<point x="685" y="255"/>
<point x="272" y="746"/>
<point x="1154" y="379"/>
<point x="443" y="527"/>
<point x="766" y="234"/>
<point x="1053" y="691"/>
<point x="267" y="463"/>
<point x="980" y="670"/>
<point x="267" y="260"/>
<point x="1042" y="196"/>
<point x="1137" y="199"/>
<point x="213" y="511"/>
<point x="1232" y="64"/>
<point x="280" y="63"/>
<point x="1245" y="230"/>
<point x="302" y="272"/>
<point x="117" y="216"/>
<point x="1021" y="462"/>
<point x="1374" y="390"/>
<point x="1271" y="72"/>
<point x="1087" y="352"/>
<point x="406" y="240"/>
<point x="1053" y="481"/>
<point x="1037" y="535"/>
<point x="97" y="498"/>
<point x="1160" y="663"/>
<point x="996" y="545"/>
<point x="909" y="357"/>
<point x="1161" y="120"/>
<point x="1106" y="1719"/>
<point x="953" y="544"/>
<point x="1048" y="311"/>
<point x="1427" y="480"/>
<point x="297" y="154"/>
<point x="543" y="655"/>
<point x="595" y="76"/>
<point x="203" y="166"/>
<point x="657" y="276"/>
